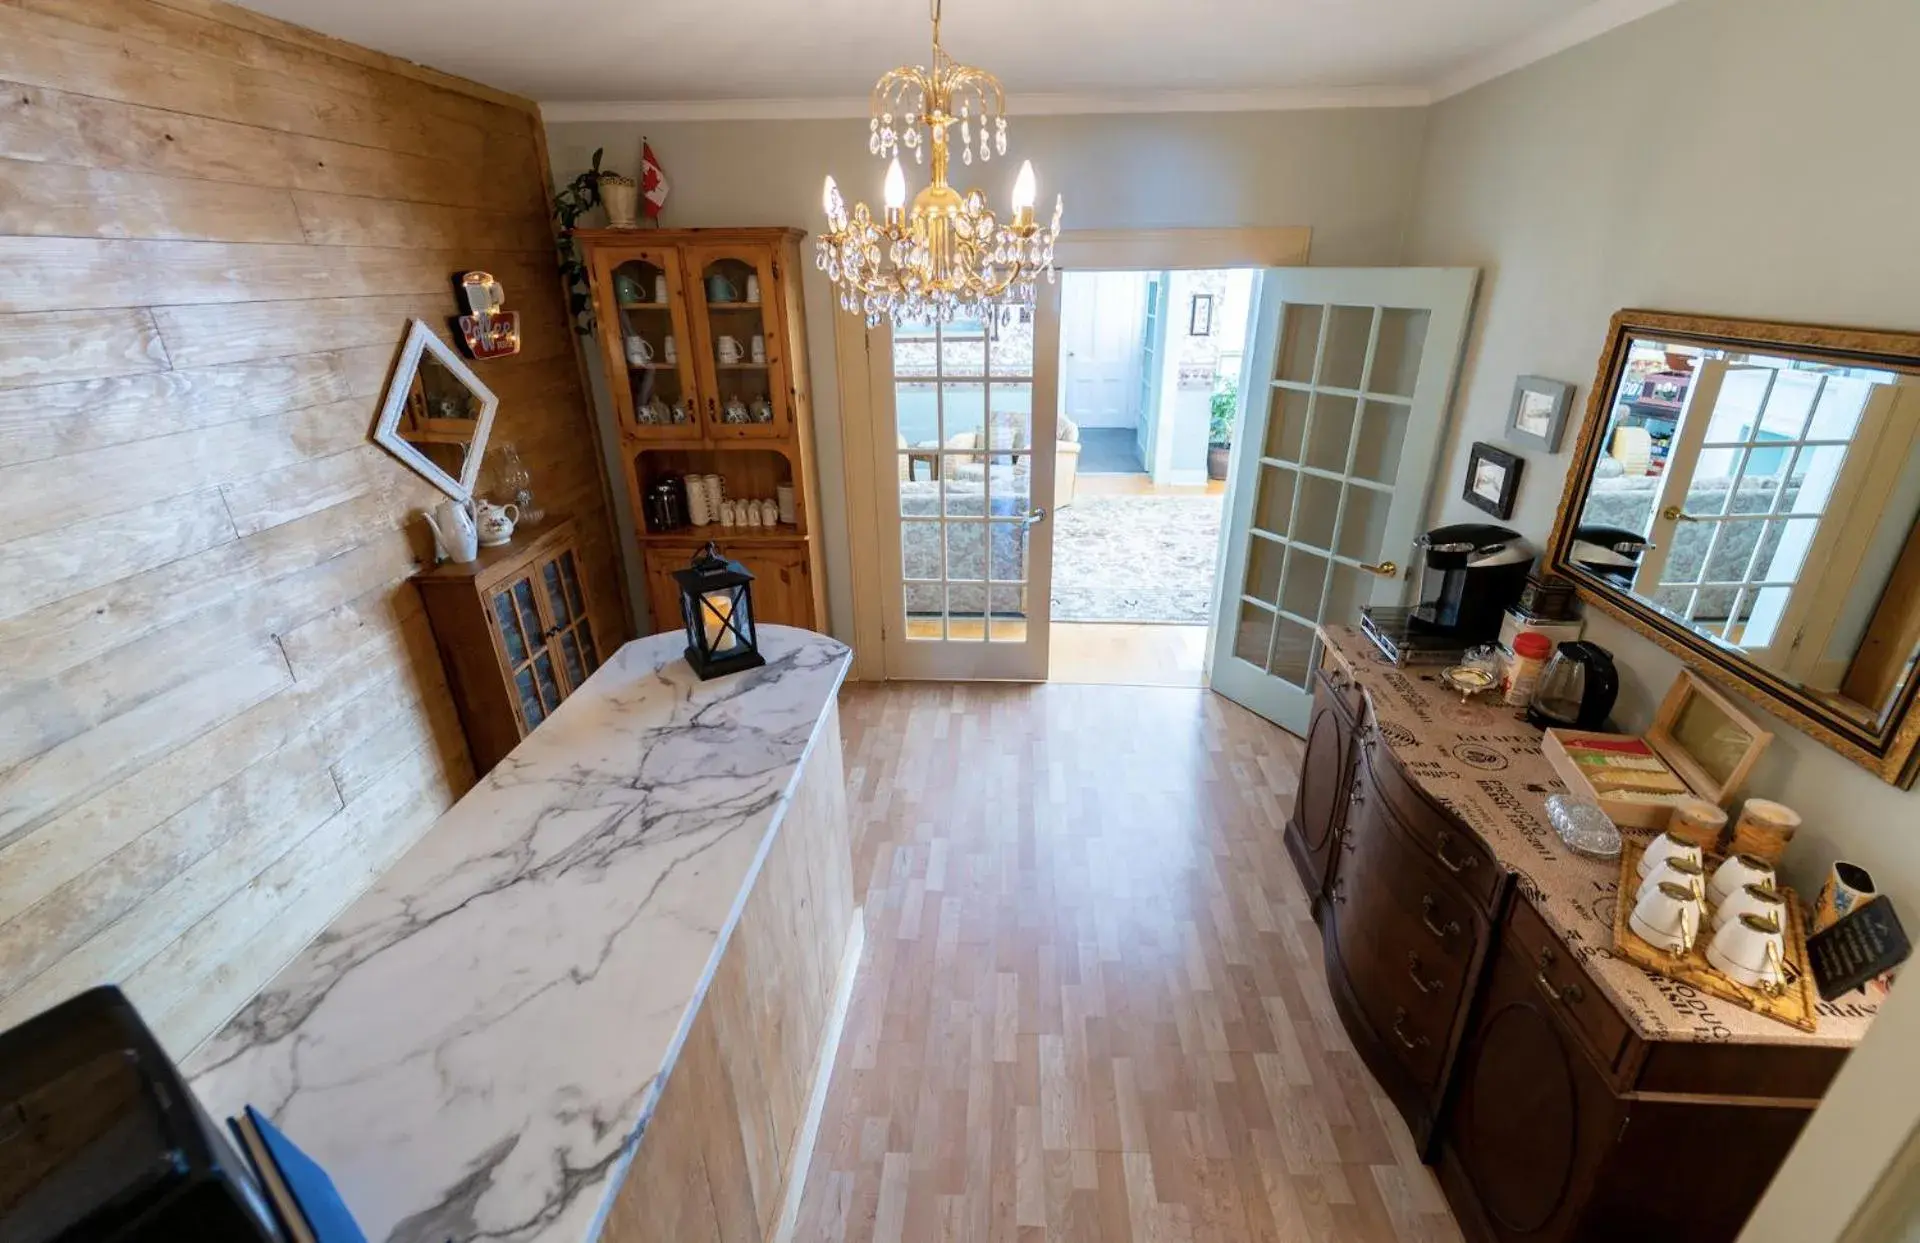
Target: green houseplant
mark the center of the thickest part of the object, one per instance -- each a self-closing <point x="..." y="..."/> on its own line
<point x="570" y="202"/>
<point x="1226" y="403"/>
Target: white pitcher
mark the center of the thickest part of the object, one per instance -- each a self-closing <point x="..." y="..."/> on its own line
<point x="454" y="532"/>
<point x="495" y="522"/>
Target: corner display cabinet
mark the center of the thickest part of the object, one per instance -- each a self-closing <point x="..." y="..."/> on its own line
<point x="704" y="343"/>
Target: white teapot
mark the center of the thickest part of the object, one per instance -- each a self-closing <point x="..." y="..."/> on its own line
<point x="454" y="532"/>
<point x="496" y="522"/>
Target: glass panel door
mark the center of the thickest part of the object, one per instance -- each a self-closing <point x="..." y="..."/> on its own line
<point x="650" y="358"/>
<point x="523" y="641"/>
<point x="969" y="410"/>
<point x="734" y="289"/>
<point x="1346" y="394"/>
<point x="572" y="632"/>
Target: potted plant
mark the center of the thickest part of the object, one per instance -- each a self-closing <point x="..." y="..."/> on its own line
<point x="570" y="202"/>
<point x="1226" y="403"/>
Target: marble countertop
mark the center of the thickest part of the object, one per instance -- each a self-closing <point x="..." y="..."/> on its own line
<point x="1481" y="760"/>
<point x="474" y="1047"/>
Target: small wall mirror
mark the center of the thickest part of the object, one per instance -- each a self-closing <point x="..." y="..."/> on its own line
<point x="437" y="413"/>
<point x="1746" y="493"/>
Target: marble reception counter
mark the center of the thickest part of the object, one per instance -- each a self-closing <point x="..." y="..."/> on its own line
<point x="477" y="1046"/>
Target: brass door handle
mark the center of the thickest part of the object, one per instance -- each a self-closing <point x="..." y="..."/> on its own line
<point x="1428" y="905"/>
<point x="1673" y="513"/>
<point x="1572" y="994"/>
<point x="1385" y="569"/>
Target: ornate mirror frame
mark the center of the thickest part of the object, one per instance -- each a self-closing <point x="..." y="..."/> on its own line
<point x="422" y="340"/>
<point x="1891" y="751"/>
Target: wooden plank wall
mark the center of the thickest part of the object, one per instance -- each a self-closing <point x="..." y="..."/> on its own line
<point x="221" y="714"/>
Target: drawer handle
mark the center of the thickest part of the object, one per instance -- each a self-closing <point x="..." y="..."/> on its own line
<point x="1456" y="866"/>
<point x="1427" y="987"/>
<point x="1572" y="994"/>
<point x="1347" y="842"/>
<point x="1428" y="905"/>
<point x="1356" y="798"/>
<point x="1400" y="1032"/>
<point x="1339" y="893"/>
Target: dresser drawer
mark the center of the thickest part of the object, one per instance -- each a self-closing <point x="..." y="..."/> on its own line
<point x="1457" y="852"/>
<point x="1588" y="1013"/>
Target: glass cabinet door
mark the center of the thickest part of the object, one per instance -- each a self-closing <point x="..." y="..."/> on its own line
<point x="515" y="613"/>
<point x="745" y="393"/>
<point x="643" y="327"/>
<point x="572" y="641"/>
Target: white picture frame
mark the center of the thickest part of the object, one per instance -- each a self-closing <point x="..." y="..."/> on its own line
<point x="421" y="341"/>
<point x="1537" y="417"/>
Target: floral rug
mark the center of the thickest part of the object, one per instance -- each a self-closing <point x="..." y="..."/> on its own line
<point x="1135" y="558"/>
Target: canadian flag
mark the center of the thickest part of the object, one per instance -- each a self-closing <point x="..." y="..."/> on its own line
<point x="653" y="182"/>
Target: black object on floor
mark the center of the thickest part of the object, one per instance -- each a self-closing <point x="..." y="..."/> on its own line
<point x="1110" y="451"/>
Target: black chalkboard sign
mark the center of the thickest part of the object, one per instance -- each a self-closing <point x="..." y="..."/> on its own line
<point x="1866" y="942"/>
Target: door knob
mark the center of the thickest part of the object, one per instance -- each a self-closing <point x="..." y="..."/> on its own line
<point x="1035" y="516"/>
<point x="1385" y="569"/>
<point x="1673" y="513"/>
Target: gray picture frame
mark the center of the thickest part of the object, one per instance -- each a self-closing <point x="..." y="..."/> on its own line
<point x="1537" y="416"/>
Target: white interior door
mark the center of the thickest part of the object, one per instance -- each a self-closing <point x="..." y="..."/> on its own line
<point x="966" y="416"/>
<point x="1100" y="325"/>
<point x="1345" y="397"/>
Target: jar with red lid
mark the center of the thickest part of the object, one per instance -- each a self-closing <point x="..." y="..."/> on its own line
<point x="1523" y="666"/>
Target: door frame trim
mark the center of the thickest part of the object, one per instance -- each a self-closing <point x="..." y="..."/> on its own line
<point x="860" y="448"/>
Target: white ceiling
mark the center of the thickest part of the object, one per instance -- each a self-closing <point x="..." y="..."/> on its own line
<point x="1132" y="51"/>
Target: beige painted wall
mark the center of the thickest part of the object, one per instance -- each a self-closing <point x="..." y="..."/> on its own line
<point x="1744" y="157"/>
<point x="1348" y="175"/>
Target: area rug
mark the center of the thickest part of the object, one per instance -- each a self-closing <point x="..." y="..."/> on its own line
<point x="1135" y="558"/>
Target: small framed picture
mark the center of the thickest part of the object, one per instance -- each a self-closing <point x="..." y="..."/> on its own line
<point x="1200" y="316"/>
<point x="1539" y="413"/>
<point x="1493" y="476"/>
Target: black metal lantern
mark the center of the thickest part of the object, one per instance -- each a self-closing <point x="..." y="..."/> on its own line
<point x="716" y="606"/>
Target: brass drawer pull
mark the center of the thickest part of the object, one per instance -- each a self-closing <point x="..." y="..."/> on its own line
<point x="1346" y="840"/>
<point x="1428" y="905"/>
<point x="1400" y="1032"/>
<point x="1572" y="994"/>
<point x="1426" y="987"/>
<point x="1339" y="893"/>
<point x="1456" y="866"/>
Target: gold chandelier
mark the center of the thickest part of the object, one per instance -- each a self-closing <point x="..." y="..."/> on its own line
<point x="948" y="254"/>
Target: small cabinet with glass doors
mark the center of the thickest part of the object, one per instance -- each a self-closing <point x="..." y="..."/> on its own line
<point x="514" y="635"/>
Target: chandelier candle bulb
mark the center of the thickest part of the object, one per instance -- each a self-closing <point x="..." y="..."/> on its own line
<point x="1023" y="194"/>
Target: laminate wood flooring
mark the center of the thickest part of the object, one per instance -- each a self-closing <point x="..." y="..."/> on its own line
<point x="1091" y="1005"/>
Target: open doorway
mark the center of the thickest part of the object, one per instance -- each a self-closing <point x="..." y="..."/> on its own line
<point x="1150" y="364"/>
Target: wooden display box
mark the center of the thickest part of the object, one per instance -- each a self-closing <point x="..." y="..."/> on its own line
<point x="1699" y="739"/>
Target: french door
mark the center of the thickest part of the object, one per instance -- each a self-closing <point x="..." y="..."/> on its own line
<point x="1346" y="395"/>
<point x="965" y="416"/>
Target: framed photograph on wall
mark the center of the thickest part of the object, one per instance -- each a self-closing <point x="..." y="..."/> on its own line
<point x="1200" y="316"/>
<point x="1539" y="412"/>
<point x="1493" y="476"/>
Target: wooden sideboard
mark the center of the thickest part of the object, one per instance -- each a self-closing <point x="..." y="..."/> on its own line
<point x="1564" y="1094"/>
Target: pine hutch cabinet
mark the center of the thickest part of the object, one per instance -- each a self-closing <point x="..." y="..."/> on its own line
<point x="513" y="634"/>
<point x="678" y="313"/>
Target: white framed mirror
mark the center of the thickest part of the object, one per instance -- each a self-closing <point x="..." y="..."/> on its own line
<point x="437" y="414"/>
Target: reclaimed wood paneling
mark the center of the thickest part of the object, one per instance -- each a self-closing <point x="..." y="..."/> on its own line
<point x="221" y="714"/>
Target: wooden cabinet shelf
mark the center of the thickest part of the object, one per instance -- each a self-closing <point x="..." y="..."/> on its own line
<point x="706" y="274"/>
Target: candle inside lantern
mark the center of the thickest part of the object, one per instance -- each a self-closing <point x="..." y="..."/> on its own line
<point x="717" y="611"/>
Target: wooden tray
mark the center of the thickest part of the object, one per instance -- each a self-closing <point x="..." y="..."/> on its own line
<point x="1793" y="1005"/>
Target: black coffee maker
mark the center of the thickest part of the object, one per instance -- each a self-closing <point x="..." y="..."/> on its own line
<point x="1472" y="572"/>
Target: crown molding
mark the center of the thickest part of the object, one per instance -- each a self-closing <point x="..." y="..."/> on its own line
<point x="1031" y="105"/>
<point x="1589" y="23"/>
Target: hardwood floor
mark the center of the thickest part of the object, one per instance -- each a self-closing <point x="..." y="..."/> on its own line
<point x="1092" y="1006"/>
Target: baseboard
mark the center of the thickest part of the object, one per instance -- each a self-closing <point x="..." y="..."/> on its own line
<point x="822" y="1077"/>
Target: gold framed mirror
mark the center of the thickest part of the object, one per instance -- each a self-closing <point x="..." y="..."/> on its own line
<point x="1746" y="493"/>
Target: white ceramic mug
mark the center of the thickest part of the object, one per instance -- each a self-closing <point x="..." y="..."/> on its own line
<point x="1751" y="900"/>
<point x="783" y="496"/>
<point x="668" y="352"/>
<point x="730" y="351"/>
<point x="753" y="287"/>
<point x="1679" y="871"/>
<point x="758" y="348"/>
<point x="660" y="289"/>
<point x="1750" y="950"/>
<point x="639" y="351"/>
<point x="1735" y="874"/>
<point x="1668" y="918"/>
<point x="1664" y="847"/>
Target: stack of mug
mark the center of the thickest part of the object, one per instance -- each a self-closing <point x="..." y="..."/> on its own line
<point x="1748" y="911"/>
<point x="704" y="495"/>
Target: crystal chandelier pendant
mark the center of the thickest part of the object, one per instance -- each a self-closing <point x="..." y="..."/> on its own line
<point x="946" y="253"/>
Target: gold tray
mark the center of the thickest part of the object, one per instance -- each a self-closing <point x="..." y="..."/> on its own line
<point x="1792" y="1005"/>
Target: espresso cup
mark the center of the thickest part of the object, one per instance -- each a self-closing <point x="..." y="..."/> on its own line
<point x="1679" y="871"/>
<point x="1667" y="918"/>
<point x="1664" y="847"/>
<point x="1763" y="900"/>
<point x="1735" y="874"/>
<point x="1750" y="950"/>
<point x="730" y="351"/>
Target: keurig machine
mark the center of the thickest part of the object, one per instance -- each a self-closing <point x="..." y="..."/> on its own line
<point x="1472" y="571"/>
